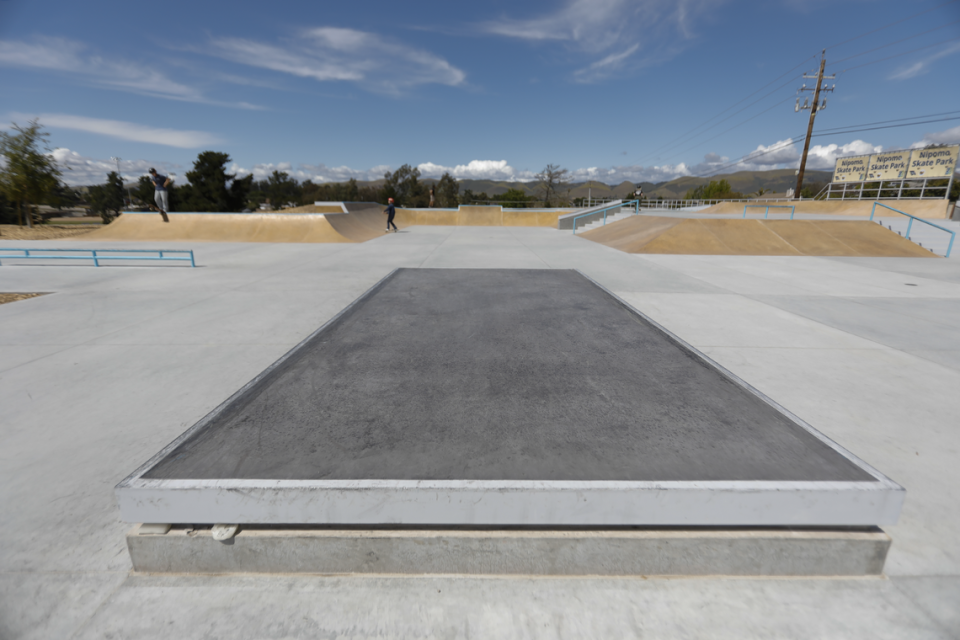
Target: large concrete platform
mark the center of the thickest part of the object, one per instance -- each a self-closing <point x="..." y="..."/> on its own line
<point x="502" y="397"/>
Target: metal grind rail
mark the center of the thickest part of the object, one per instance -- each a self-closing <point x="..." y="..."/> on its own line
<point x="766" y="214"/>
<point x="619" y="205"/>
<point x="97" y="255"/>
<point x="953" y="234"/>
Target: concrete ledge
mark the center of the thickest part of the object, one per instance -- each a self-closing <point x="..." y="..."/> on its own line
<point x="610" y="552"/>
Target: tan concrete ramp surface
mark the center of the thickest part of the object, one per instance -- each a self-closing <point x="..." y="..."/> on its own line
<point x="233" y="227"/>
<point x="661" y="235"/>
<point x="919" y="208"/>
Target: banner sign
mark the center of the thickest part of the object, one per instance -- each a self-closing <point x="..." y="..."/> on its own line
<point x="940" y="162"/>
<point x="852" y="169"/>
<point x="888" y="166"/>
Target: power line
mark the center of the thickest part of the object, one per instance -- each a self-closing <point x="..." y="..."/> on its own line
<point x="893" y="23"/>
<point x="684" y="138"/>
<point x="890" y="44"/>
<point x="897" y="55"/>
<point x="840" y="130"/>
<point x="867" y="124"/>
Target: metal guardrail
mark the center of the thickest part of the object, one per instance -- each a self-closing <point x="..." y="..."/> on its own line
<point x="953" y="234"/>
<point x="766" y="214"/>
<point x="619" y="205"/>
<point x="97" y="254"/>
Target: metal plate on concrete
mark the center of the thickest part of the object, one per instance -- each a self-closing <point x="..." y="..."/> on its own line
<point x="502" y="397"/>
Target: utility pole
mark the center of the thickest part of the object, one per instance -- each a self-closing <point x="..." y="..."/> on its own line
<point x="814" y="108"/>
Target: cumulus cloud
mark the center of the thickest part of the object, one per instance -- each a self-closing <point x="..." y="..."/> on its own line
<point x="132" y="131"/>
<point x="477" y="170"/>
<point x="327" y="54"/>
<point x="315" y="172"/>
<point x="825" y="156"/>
<point x="950" y="136"/>
<point x="79" y="170"/>
<point x="621" y="32"/>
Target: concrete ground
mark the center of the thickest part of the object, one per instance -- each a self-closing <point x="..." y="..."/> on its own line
<point x="118" y="361"/>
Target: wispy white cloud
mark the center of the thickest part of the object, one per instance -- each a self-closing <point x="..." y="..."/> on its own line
<point x="923" y="66"/>
<point x="477" y="170"/>
<point x="638" y="33"/>
<point x="327" y="54"/>
<point x="79" y="170"/>
<point x="73" y="58"/>
<point x="132" y="131"/>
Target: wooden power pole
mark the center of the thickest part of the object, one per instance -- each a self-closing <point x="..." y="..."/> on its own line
<point x="814" y="108"/>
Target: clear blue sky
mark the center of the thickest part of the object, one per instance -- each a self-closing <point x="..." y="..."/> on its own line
<point x="604" y="88"/>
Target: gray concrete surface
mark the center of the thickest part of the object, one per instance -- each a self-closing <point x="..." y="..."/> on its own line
<point x="499" y="374"/>
<point x="119" y="360"/>
<point x="625" y="551"/>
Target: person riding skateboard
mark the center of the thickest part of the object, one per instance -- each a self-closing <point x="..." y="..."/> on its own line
<point x="390" y="211"/>
<point x="160" y="196"/>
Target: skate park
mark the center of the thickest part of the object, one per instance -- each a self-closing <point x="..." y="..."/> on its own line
<point x="861" y="350"/>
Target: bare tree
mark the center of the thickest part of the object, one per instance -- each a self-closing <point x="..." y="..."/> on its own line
<point x="550" y="181"/>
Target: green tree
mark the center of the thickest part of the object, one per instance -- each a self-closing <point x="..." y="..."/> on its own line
<point x="404" y="186"/>
<point x="514" y="198"/>
<point x="550" y="182"/>
<point x="281" y="189"/>
<point x="107" y="199"/>
<point x="30" y="172"/>
<point x="447" y="192"/>
<point x="211" y="188"/>
<point x="715" y="190"/>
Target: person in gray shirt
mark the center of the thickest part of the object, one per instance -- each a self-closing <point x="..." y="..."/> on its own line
<point x="160" y="195"/>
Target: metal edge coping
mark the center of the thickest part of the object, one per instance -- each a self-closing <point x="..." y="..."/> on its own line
<point x="752" y="486"/>
<point x="843" y="451"/>
<point x="216" y="412"/>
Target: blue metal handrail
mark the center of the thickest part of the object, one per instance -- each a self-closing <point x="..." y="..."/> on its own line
<point x="953" y="234"/>
<point x="792" y="208"/>
<point x="97" y="254"/>
<point x="619" y="205"/>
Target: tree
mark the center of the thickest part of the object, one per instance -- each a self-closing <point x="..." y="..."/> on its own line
<point x="515" y="198"/>
<point x="404" y="186"/>
<point x="281" y="189"/>
<point x="715" y="190"/>
<point x="30" y="172"/>
<point x="107" y="199"/>
<point x="209" y="190"/>
<point x="447" y="191"/>
<point x="549" y="183"/>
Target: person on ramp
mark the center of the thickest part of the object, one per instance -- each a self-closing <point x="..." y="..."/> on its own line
<point x="390" y="211"/>
<point x="160" y="195"/>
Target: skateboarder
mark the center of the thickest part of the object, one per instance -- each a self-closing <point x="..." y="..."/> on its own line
<point x="390" y="211"/>
<point x="160" y="196"/>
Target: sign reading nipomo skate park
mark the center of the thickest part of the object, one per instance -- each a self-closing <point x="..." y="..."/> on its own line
<point x="939" y="162"/>
<point x="851" y="169"/>
<point x="888" y="166"/>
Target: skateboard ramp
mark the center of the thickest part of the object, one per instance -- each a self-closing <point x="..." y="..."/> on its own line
<point x="920" y="208"/>
<point x="358" y="225"/>
<point x="651" y="234"/>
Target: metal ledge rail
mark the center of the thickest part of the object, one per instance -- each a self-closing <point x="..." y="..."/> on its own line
<point x="98" y="254"/>
<point x="953" y="234"/>
<point x="768" y="207"/>
<point x="619" y="205"/>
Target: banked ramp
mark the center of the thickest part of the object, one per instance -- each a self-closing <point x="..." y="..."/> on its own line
<point x="698" y="236"/>
<point x="361" y="222"/>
